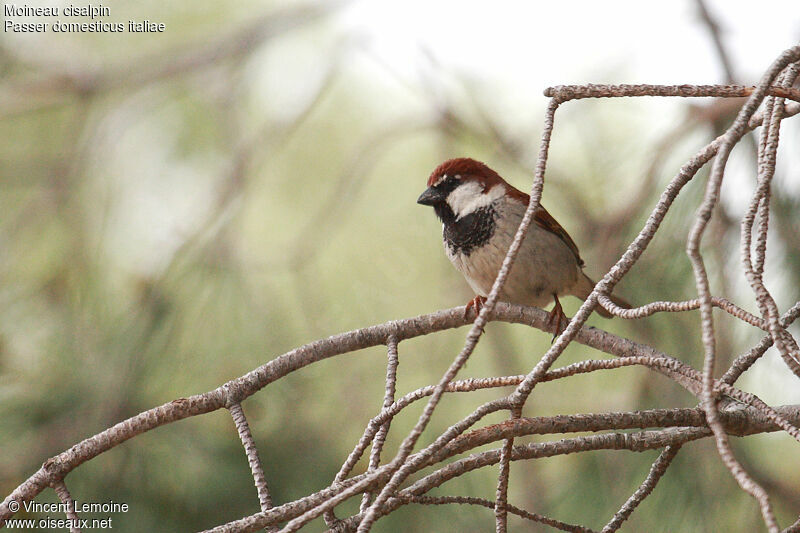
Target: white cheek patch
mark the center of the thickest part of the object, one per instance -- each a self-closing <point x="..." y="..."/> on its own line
<point x="470" y="196"/>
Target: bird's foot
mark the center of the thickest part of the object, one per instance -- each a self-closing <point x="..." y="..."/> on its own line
<point x="477" y="303"/>
<point x="557" y="320"/>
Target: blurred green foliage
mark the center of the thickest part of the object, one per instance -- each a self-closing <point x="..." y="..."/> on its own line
<point x="163" y="235"/>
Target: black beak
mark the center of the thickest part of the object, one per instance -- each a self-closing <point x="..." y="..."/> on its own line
<point x="431" y="196"/>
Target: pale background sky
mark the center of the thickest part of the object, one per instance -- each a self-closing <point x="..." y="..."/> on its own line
<point x="535" y="44"/>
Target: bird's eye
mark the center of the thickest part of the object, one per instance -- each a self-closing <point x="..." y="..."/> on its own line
<point x="447" y="182"/>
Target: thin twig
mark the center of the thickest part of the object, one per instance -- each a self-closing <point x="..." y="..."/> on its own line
<point x="644" y="490"/>
<point x="564" y="93"/>
<point x="66" y="498"/>
<point x="745" y="361"/>
<point x="388" y="400"/>
<point x="469" y="500"/>
<point x="711" y="197"/>
<point x="251" y="451"/>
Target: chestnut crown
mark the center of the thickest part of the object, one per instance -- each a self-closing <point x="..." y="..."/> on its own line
<point x="463" y="168"/>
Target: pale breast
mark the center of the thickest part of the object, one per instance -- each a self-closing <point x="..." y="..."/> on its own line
<point x="544" y="266"/>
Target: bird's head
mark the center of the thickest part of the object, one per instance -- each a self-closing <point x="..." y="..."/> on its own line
<point x="459" y="187"/>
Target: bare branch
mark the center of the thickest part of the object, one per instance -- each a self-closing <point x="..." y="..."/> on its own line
<point x="644" y="490"/>
<point x="388" y="400"/>
<point x="734" y="133"/>
<point x="533" y="517"/>
<point x="252" y="455"/>
<point x="741" y="422"/>
<point x="66" y="498"/>
<point x="565" y="93"/>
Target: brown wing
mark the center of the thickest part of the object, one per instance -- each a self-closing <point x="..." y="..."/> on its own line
<point x="546" y="221"/>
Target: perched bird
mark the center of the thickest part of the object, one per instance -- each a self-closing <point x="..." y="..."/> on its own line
<point x="480" y="214"/>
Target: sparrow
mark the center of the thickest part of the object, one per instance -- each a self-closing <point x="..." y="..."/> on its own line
<point x="480" y="213"/>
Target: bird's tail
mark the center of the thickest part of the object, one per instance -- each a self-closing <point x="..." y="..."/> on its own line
<point x="585" y="286"/>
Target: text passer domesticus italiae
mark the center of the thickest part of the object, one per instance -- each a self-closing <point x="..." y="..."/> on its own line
<point x="480" y="214"/>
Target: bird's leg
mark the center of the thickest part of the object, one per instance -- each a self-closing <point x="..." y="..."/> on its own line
<point x="556" y="319"/>
<point x="477" y="303"/>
